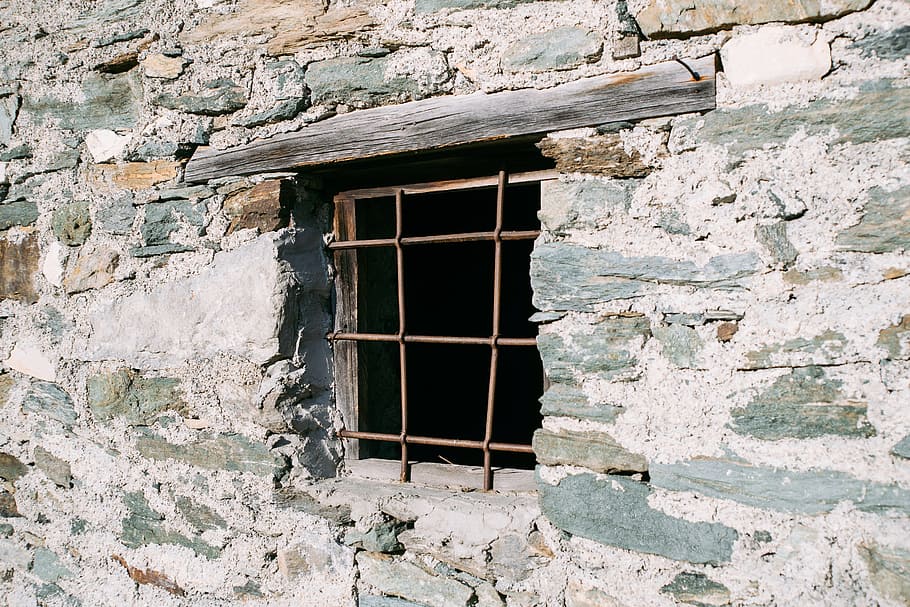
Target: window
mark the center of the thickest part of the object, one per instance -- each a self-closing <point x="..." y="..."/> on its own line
<point x="435" y="353"/>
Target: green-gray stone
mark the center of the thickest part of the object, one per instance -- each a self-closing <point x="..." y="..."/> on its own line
<point x="889" y="570"/>
<point x="304" y="502"/>
<point x="285" y="110"/>
<point x="593" y="450"/>
<point x="824" y="348"/>
<point x="122" y="37"/>
<point x="586" y="204"/>
<point x="814" y="492"/>
<point x="902" y="448"/>
<point x="888" y="45"/>
<point x="78" y="526"/>
<point x="804" y="403"/>
<point x="201" y="517"/>
<point x="681" y="345"/>
<point x="408" y="581"/>
<point x="72" y="223"/>
<point x="571" y="401"/>
<point x="885" y="225"/>
<point x="289" y="80"/>
<point x="11" y="469"/>
<point x="431" y="6"/>
<point x="163" y="218"/>
<point x="160" y="249"/>
<point x="135" y="399"/>
<point x="562" y="48"/>
<point x="697" y="589"/>
<point x="896" y="339"/>
<point x="12" y="554"/>
<point x="108" y="102"/>
<point x="381" y="537"/>
<point x="117" y="217"/>
<point x="50" y="400"/>
<point x="54" y="468"/>
<point x="871" y="116"/>
<point x="362" y="81"/>
<point x="230" y="452"/>
<point x="572" y="277"/>
<point x="47" y="566"/>
<point x="20" y="152"/>
<point x="18" y="213"/>
<point x="6" y="530"/>
<point x="614" y="511"/>
<point x="221" y="96"/>
<point x="146" y="526"/>
<point x="774" y="239"/>
<point x="608" y="352"/>
<point x="108" y="12"/>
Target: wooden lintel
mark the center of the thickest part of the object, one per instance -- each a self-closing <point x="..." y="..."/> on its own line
<point x="441" y="122"/>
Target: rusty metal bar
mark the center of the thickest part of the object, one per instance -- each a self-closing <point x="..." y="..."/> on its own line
<point x="402" y="359"/>
<point x="437" y="442"/>
<point x="433" y="339"/>
<point x="494" y="352"/>
<point x="437" y="239"/>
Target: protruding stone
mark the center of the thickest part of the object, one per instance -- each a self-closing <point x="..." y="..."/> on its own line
<point x="614" y="510"/>
<point x="104" y="144"/>
<point x="117" y="217"/>
<point x="285" y="110"/>
<point x="108" y="103"/>
<point x="29" y="359"/>
<point x="164" y="218"/>
<point x="201" y="517"/>
<point x="18" y="213"/>
<point x="597" y="155"/>
<point x="774" y="55"/>
<point x="571" y="401"/>
<point x="889" y="570"/>
<point x="143" y="525"/>
<point x="697" y="589"/>
<point x="133" y="175"/>
<point x="608" y="352"/>
<point x="72" y="223"/>
<point x="265" y="207"/>
<point x="593" y="450"/>
<point x="157" y="65"/>
<point x="135" y="399"/>
<point x="557" y="49"/>
<point x="228" y="452"/>
<point x="381" y="537"/>
<point x="221" y="96"/>
<point x="318" y="556"/>
<point x="885" y="224"/>
<point x="585" y="204"/>
<point x="410" y="582"/>
<point x="94" y="268"/>
<point x="432" y="6"/>
<point x="48" y="567"/>
<point x="774" y="239"/>
<point x="19" y="258"/>
<point x="51" y="401"/>
<point x="681" y="345"/>
<point x="56" y="469"/>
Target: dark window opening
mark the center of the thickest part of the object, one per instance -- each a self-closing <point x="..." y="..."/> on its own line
<point x="434" y="281"/>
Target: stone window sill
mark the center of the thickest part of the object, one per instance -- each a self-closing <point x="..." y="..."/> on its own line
<point x="443" y="476"/>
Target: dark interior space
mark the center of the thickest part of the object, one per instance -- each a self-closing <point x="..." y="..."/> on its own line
<point x="448" y="292"/>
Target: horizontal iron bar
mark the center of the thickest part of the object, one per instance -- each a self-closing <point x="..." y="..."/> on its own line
<point x="437" y="442"/>
<point x="434" y="339"/>
<point x="435" y="239"/>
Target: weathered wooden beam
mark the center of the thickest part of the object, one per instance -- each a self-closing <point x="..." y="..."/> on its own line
<point x="440" y="122"/>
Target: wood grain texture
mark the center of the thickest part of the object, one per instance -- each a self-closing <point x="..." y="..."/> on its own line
<point x="347" y="381"/>
<point x="442" y="122"/>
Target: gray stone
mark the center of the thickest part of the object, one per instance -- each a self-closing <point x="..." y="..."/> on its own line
<point x="11" y="469"/>
<point x="54" y="468"/>
<point x="889" y="570"/>
<point x="117" y="217"/>
<point x="824" y="348"/>
<point x="608" y="352"/>
<point x="571" y="401"/>
<point x="902" y="448"/>
<point x="163" y="218"/>
<point x="66" y="158"/>
<point x="94" y="268"/>
<point x="431" y="6"/>
<point x="883" y="227"/>
<point x="122" y="37"/>
<point x="587" y="204"/>
<point x="813" y="492"/>
<point x="683" y="18"/>
<point x="108" y="12"/>
<point x="12" y="554"/>
<point x="154" y="150"/>
<point x="571" y="277"/>
<point x="593" y="450"/>
<point x="109" y="102"/>
<point x="8" y="506"/>
<point x="410" y="582"/>
<point x="615" y="511"/>
<point x="289" y="80"/>
<point x="137" y="400"/>
<point x="889" y="45"/>
<point x="9" y="108"/>
<point x="257" y="322"/>
<point x="72" y="223"/>
<point x="804" y="403"/>
<point x="370" y="600"/>
<point x="317" y="556"/>
<point x="20" y="152"/>
<point x="50" y="400"/>
<point x="304" y="502"/>
<point x="229" y="452"/>
<point x="160" y="249"/>
<point x="47" y="566"/>
<point x="145" y="526"/>
<point x="562" y="48"/>
<point x="896" y="339"/>
<point x="381" y="537"/>
<point x="671" y="223"/>
<point x="697" y="589"/>
<point x="19" y="261"/>
<point x="870" y="116"/>
<point x="182" y="195"/>
<point x="681" y="345"/>
<point x="285" y="110"/>
<point x="774" y="239"/>
<point x="221" y="96"/>
<point x="6" y="530"/>
<point x="201" y="517"/>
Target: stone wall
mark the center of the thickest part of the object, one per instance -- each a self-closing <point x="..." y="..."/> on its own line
<point x="725" y="317"/>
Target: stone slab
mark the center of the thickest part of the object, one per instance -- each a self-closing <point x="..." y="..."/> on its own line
<point x="228" y="452"/>
<point x="19" y="262"/>
<point x="595" y="451"/>
<point x="108" y="102"/>
<point x="884" y="226"/>
<point x="410" y="582"/>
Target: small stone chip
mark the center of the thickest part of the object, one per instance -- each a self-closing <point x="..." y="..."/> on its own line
<point x="726" y="331"/>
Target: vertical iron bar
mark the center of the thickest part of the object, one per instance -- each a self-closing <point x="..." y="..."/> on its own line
<point x="405" y="470"/>
<point x="494" y="352"/>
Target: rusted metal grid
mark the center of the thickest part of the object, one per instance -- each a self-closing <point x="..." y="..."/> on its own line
<point x="487" y="446"/>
